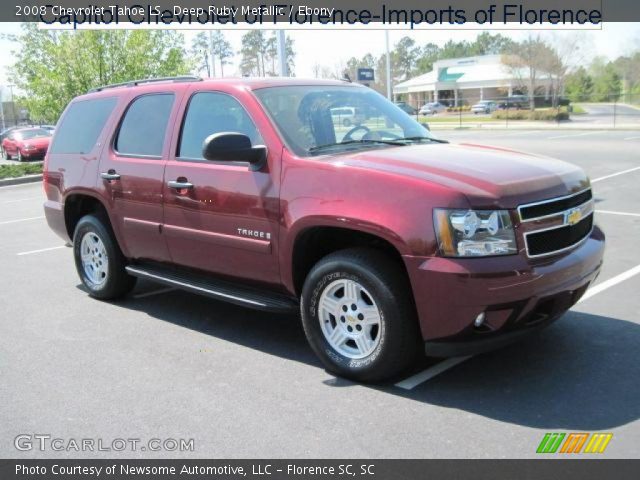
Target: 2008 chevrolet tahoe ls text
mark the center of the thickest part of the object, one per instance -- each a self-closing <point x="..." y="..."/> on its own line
<point x="390" y="242"/>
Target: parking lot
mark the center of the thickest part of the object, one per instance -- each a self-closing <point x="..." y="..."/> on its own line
<point x="168" y="364"/>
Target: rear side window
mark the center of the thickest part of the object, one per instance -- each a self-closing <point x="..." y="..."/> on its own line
<point x="144" y="126"/>
<point x="81" y="125"/>
<point x="210" y="113"/>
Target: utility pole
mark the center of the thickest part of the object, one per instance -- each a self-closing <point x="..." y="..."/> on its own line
<point x="213" y="56"/>
<point x="281" y="40"/>
<point x="2" y="109"/>
<point x="13" y="105"/>
<point x="386" y="44"/>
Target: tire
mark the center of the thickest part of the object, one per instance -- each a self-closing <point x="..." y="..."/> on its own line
<point x="381" y="286"/>
<point x="6" y="155"/>
<point x="106" y="280"/>
<point x="19" y="157"/>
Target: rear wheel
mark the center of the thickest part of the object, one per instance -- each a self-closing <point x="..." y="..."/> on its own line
<point x="19" y="157"/>
<point x="6" y="155"/>
<point x="358" y="315"/>
<point x="99" y="261"/>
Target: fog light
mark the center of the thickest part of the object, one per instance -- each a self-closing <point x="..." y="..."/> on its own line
<point x="479" y="320"/>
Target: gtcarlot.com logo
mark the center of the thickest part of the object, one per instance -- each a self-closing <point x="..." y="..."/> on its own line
<point x="45" y="442"/>
<point x="574" y="442"/>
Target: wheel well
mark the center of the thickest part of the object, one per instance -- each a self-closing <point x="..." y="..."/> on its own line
<point x="315" y="243"/>
<point x="77" y="206"/>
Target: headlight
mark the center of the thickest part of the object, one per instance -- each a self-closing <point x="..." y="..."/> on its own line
<point x="28" y="147"/>
<point x="474" y="233"/>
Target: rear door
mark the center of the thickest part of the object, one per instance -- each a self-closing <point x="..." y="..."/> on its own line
<point x="131" y="173"/>
<point x="225" y="220"/>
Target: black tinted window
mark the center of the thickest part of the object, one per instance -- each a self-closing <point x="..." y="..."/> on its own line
<point x="210" y="113"/>
<point x="81" y="125"/>
<point x="144" y="125"/>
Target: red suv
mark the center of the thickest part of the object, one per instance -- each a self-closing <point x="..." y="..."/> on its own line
<point x="390" y="242"/>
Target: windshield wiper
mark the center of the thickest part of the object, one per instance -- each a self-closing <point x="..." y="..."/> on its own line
<point x="358" y="142"/>
<point x="417" y="139"/>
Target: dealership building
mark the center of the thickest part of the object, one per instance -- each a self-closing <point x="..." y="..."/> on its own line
<point x="465" y="81"/>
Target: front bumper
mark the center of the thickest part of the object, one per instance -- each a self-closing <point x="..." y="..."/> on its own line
<point x="517" y="295"/>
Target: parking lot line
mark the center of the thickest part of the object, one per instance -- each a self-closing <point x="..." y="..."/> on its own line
<point x="21" y="220"/>
<point x="601" y="287"/>
<point x="155" y="292"/>
<point x="627" y="214"/>
<point x="19" y="200"/>
<point x="571" y="135"/>
<point x="415" y="380"/>
<point x="40" y="250"/>
<point x="615" y="174"/>
<point x="411" y="382"/>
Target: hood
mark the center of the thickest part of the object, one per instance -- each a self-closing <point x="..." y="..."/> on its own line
<point x="487" y="176"/>
<point x="38" y="142"/>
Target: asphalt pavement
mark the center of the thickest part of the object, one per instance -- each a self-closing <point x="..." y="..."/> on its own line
<point x="171" y="365"/>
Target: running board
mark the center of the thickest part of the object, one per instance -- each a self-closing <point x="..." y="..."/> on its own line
<point x="218" y="289"/>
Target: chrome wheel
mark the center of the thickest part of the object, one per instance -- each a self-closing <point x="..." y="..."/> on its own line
<point x="350" y="319"/>
<point x="95" y="262"/>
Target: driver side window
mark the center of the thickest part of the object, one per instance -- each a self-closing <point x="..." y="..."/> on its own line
<point x="209" y="113"/>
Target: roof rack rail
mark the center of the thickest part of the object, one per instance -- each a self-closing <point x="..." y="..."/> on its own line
<point x="133" y="83"/>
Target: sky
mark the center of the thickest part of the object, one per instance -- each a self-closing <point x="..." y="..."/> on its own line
<point x="334" y="48"/>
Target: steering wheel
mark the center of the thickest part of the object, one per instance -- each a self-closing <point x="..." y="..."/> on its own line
<point x="348" y="136"/>
<point x="369" y="135"/>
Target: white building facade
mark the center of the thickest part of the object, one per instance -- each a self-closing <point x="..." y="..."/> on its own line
<point x="465" y="81"/>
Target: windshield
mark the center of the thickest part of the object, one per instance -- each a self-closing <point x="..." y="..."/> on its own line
<point x="36" y="132"/>
<point x="327" y="119"/>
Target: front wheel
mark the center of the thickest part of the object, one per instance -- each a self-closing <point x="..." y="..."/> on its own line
<point x="99" y="261"/>
<point x="359" y="317"/>
<point x="19" y="157"/>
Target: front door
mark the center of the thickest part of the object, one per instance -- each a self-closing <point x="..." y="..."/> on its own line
<point x="131" y="171"/>
<point x="220" y="217"/>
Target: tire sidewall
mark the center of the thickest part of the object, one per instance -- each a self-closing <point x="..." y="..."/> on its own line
<point x="317" y="284"/>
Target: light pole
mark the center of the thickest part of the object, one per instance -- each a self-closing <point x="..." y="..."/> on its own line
<point x="2" y="109"/>
<point x="281" y="40"/>
<point x="386" y="42"/>
<point x="13" y="105"/>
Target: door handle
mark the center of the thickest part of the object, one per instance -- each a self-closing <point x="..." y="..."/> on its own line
<point x="179" y="185"/>
<point x="110" y="175"/>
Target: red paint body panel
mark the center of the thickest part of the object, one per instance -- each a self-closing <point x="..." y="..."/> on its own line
<point x="387" y="192"/>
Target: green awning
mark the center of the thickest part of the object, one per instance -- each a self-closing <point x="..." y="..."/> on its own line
<point x="445" y="76"/>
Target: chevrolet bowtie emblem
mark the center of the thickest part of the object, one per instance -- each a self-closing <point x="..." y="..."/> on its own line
<point x="573" y="216"/>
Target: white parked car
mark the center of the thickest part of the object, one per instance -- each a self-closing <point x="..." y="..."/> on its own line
<point x="432" y="108"/>
<point x="347" y="116"/>
<point x="484" y="106"/>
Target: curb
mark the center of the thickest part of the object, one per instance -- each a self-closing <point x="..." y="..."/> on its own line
<point x="5" y="182"/>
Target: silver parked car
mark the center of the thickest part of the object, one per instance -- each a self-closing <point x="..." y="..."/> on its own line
<point x="484" y="106"/>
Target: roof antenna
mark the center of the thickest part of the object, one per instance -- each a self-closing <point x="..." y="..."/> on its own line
<point x="345" y="77"/>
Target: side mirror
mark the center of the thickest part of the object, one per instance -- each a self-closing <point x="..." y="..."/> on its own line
<point x="233" y="147"/>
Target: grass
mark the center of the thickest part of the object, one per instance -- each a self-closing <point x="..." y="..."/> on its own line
<point x="20" y="170"/>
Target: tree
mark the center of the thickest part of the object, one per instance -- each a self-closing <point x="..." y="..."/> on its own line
<point x="221" y="50"/>
<point x="53" y="67"/>
<point x="200" y="51"/>
<point x="528" y="61"/>
<point x="607" y="84"/>
<point x="579" y="85"/>
<point x="258" y="52"/>
<point x="405" y="55"/>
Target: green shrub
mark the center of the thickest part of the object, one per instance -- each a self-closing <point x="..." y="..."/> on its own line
<point x="20" y="170"/>
<point x="546" y="114"/>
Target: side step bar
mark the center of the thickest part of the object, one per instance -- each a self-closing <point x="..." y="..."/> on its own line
<point x="218" y="289"/>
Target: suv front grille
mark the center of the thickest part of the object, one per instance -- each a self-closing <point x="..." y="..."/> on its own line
<point x="557" y="239"/>
<point x="554" y="206"/>
<point x="552" y="226"/>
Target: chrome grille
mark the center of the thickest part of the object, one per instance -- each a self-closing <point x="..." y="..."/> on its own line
<point x="558" y="224"/>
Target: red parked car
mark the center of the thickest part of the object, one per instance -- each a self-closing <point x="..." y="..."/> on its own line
<point x="26" y="144"/>
<point x="389" y="242"/>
